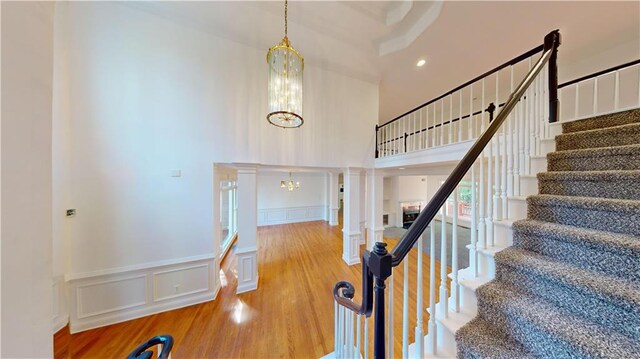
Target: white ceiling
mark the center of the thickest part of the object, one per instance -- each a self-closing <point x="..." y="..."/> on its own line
<point x="459" y="39"/>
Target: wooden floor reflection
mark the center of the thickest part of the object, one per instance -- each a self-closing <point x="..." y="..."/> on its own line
<point x="289" y="315"/>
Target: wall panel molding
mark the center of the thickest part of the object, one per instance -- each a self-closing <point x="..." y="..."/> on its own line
<point x="96" y="301"/>
<point x="272" y="216"/>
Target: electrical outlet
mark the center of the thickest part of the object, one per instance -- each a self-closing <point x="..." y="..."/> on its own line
<point x="71" y="212"/>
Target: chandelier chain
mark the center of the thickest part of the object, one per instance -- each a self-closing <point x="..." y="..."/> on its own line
<point x="286" y="8"/>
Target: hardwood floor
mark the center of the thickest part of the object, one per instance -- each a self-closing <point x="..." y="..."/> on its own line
<point x="289" y="315"/>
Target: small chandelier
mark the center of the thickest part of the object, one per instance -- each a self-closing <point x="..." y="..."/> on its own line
<point x="285" y="82"/>
<point x="289" y="185"/>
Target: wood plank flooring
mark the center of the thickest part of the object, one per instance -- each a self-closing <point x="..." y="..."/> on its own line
<point x="290" y="315"/>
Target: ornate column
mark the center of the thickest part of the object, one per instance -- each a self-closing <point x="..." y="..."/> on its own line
<point x="375" y="192"/>
<point x="351" y="216"/>
<point x="334" y="204"/>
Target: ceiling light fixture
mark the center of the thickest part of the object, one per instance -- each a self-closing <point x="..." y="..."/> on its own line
<point x="421" y="62"/>
<point x="285" y="82"/>
<point x="289" y="185"/>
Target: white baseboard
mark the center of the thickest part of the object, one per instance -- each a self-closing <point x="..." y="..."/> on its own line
<point x="273" y="216"/>
<point x="96" y="301"/>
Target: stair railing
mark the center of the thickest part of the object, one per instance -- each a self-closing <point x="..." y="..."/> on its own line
<point x="535" y="106"/>
<point x="585" y="97"/>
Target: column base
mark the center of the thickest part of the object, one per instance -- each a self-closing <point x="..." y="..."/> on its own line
<point x="247" y="267"/>
<point x="333" y="217"/>
<point x="373" y="236"/>
<point x="351" y="247"/>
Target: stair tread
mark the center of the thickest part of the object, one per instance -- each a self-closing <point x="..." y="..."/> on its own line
<point x="595" y="152"/>
<point x="609" y="204"/>
<point x="486" y="341"/>
<point x="617" y="242"/>
<point x="608" y="288"/>
<point x="589" y="175"/>
<point x="584" y="337"/>
<point x="602" y="121"/>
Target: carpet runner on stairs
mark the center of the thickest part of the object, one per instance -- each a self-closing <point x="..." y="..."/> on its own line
<point x="569" y="287"/>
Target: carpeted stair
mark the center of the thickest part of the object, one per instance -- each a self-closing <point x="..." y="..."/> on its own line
<point x="569" y="287"/>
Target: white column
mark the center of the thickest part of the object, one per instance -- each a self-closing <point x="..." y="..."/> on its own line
<point x="351" y="217"/>
<point x="247" y="244"/>
<point x="334" y="204"/>
<point x="363" y="207"/>
<point x="375" y="186"/>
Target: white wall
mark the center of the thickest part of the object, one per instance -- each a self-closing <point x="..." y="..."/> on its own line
<point x="278" y="206"/>
<point x="27" y="66"/>
<point x="147" y="96"/>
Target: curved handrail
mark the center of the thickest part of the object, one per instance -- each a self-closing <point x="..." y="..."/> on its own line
<point x="142" y="352"/>
<point x="408" y="240"/>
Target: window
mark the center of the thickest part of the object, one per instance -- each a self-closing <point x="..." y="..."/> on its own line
<point x="228" y="214"/>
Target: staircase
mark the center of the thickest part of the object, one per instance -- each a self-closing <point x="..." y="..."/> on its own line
<point x="569" y="287"/>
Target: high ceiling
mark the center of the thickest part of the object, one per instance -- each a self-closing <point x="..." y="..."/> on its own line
<point x="381" y="41"/>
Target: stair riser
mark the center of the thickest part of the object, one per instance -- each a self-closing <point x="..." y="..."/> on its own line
<point x="517" y="208"/>
<point x="603" y="163"/>
<point x="547" y="146"/>
<point x="583" y="255"/>
<point x="446" y="340"/>
<point x="528" y="186"/>
<point x="604" y="138"/>
<point x="576" y="300"/>
<point x="538" y="164"/>
<point x="627" y="222"/>
<point x="503" y="235"/>
<point x="611" y="188"/>
<point x="535" y="340"/>
<point x="611" y="120"/>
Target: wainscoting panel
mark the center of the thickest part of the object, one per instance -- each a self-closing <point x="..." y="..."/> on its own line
<point x="271" y="216"/>
<point x="97" y="300"/>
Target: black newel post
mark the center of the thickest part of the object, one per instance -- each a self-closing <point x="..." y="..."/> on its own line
<point x="380" y="267"/>
<point x="491" y="109"/>
<point x="376" y="141"/>
<point x="552" y="41"/>
<point x="405" y="142"/>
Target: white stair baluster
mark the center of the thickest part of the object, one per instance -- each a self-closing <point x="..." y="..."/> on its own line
<point x="441" y="122"/>
<point x="432" y="344"/>
<point x="497" y="211"/>
<point x="434" y="140"/>
<point x="444" y="295"/>
<point x="481" y="188"/>
<point x="474" y="222"/>
<point x="450" y="119"/>
<point x="575" y="115"/>
<point x="358" y="333"/>
<point x="419" y="333"/>
<point x="595" y="96"/>
<point x="616" y="91"/>
<point x="460" y="118"/>
<point x="366" y="337"/>
<point x="405" y="309"/>
<point x="390" y="325"/>
<point x="336" y="325"/>
<point x="471" y="127"/>
<point x="454" y="253"/>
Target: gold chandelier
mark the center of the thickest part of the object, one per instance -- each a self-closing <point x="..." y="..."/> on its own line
<point x="289" y="185"/>
<point x="285" y="82"/>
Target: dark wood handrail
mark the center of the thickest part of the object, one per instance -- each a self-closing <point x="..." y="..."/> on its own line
<point x="602" y="72"/>
<point x="408" y="240"/>
<point x="513" y="61"/>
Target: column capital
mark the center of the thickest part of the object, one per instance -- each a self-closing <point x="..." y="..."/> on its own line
<point x="350" y="171"/>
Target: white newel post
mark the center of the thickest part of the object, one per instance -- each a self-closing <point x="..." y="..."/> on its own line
<point x="351" y="217"/>
<point x="247" y="245"/>
<point x="334" y="204"/>
<point x="375" y="193"/>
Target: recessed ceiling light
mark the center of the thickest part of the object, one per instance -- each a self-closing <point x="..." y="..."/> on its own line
<point x="401" y="168"/>
<point x="421" y="62"/>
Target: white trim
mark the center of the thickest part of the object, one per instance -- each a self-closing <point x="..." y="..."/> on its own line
<point x="140" y="293"/>
<point x="226" y="248"/>
<point x="118" y="270"/>
<point x="286" y="215"/>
